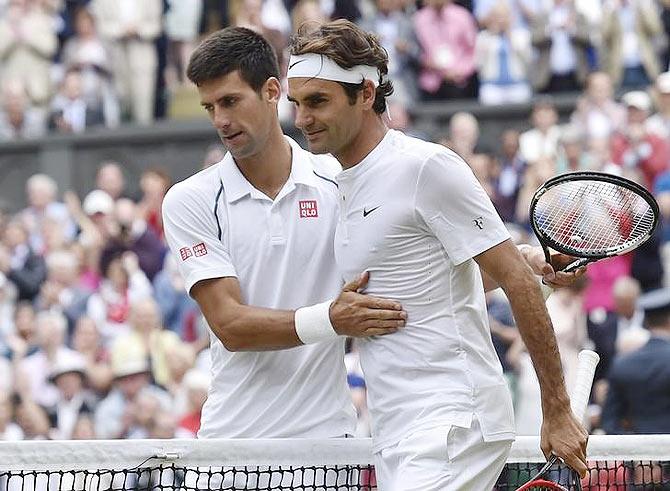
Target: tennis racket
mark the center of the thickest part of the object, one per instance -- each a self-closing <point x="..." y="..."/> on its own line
<point x="586" y="368"/>
<point x="591" y="216"/>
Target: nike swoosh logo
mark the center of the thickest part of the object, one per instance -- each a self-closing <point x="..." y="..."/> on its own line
<point x="367" y="212"/>
<point x="294" y="64"/>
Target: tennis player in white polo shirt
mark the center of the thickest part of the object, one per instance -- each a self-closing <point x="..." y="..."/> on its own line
<point x="253" y="237"/>
<point x="413" y="215"/>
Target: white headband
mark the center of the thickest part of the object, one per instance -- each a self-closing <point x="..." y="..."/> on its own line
<point x="312" y="65"/>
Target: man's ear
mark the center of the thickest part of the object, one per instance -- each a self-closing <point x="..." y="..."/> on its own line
<point x="272" y="89"/>
<point x="368" y="94"/>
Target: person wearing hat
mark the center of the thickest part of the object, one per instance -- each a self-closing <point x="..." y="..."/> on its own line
<point x="638" y="399"/>
<point x="633" y="146"/>
<point x="68" y="375"/>
<point x="115" y="415"/>
<point x="659" y="123"/>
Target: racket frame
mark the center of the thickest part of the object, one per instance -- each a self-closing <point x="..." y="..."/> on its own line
<point x="587" y="257"/>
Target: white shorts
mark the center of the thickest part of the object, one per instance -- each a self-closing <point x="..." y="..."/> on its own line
<point x="442" y="459"/>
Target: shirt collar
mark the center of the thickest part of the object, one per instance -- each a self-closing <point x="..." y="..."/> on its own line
<point x="236" y="186"/>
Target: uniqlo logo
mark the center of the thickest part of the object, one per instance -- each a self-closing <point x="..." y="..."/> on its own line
<point x="200" y="249"/>
<point x="308" y="208"/>
<point x="185" y="253"/>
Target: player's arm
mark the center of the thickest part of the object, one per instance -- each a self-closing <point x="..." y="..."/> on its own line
<point x="561" y="433"/>
<point x="243" y="327"/>
<point x="197" y="238"/>
<point x="534" y="257"/>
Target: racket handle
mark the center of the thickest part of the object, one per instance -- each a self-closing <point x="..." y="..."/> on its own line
<point x="588" y="360"/>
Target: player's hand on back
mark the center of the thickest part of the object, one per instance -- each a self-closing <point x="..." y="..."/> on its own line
<point x="358" y="315"/>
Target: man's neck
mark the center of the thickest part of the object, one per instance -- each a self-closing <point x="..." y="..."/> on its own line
<point x="269" y="169"/>
<point x="371" y="133"/>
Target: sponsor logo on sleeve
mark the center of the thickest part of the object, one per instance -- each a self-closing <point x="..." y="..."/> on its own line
<point x="185" y="253"/>
<point x="308" y="208"/>
<point x="200" y="249"/>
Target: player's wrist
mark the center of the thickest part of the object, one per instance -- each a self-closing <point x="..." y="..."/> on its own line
<point x="312" y="323"/>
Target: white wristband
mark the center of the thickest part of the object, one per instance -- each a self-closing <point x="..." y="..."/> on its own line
<point x="546" y="290"/>
<point x="312" y="324"/>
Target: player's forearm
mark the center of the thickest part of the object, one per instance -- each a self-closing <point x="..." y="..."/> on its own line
<point x="537" y="333"/>
<point x="246" y="328"/>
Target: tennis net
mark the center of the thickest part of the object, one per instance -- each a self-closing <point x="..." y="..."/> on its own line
<point x="617" y="463"/>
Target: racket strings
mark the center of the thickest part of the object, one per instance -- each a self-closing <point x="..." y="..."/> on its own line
<point x="593" y="217"/>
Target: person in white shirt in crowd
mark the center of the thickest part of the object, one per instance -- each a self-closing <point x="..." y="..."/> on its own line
<point x="70" y="112"/>
<point x="69" y="376"/>
<point x="9" y="430"/>
<point x="130" y="28"/>
<point x="541" y="141"/>
<point x="659" y="123"/>
<point x="463" y="134"/>
<point x="111" y="179"/>
<point x="597" y="115"/>
<point x="32" y="373"/>
<point x="19" y="119"/>
<point x="42" y="197"/>
<point x="503" y="55"/>
<point x="435" y="247"/>
<point x="630" y="333"/>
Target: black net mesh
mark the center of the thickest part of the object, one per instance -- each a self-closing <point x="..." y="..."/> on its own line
<point x="623" y="475"/>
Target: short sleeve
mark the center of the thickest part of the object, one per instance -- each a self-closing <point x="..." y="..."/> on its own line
<point x="455" y="207"/>
<point x="194" y="233"/>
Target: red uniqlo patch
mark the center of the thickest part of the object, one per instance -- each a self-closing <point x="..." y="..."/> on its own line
<point x="308" y="208"/>
<point x="185" y="253"/>
<point x="200" y="249"/>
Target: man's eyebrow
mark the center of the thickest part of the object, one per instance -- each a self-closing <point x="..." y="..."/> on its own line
<point x="309" y="97"/>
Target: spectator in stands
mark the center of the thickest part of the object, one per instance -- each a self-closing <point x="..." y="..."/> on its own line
<point x="572" y="154"/>
<point x="509" y="176"/>
<point x="84" y="428"/>
<point x="61" y="290"/>
<point x="628" y="31"/>
<point x="599" y="305"/>
<point x="9" y="430"/>
<point x="70" y="112"/>
<point x="597" y="115"/>
<point x="541" y="141"/>
<point x="503" y="55"/>
<point x="32" y="374"/>
<point x="182" y="359"/>
<point x="73" y="399"/>
<point x="630" y="334"/>
<point x="561" y="37"/>
<point x="42" y="194"/>
<point x="22" y="340"/>
<point x="307" y="11"/>
<point x="116" y="415"/>
<point x="634" y="147"/>
<point x="19" y="263"/>
<point x="131" y="28"/>
<point x="396" y="33"/>
<point x="27" y="44"/>
<point x="87" y="342"/>
<point x="522" y="11"/>
<point x="179" y="312"/>
<point x="147" y="339"/>
<point x="196" y="383"/>
<point x="447" y="35"/>
<point x="154" y="183"/>
<point x="111" y="179"/>
<point x="18" y="118"/>
<point x="638" y="400"/>
<point x="463" y="135"/>
<point x="33" y="420"/>
<point x="123" y="283"/>
<point x="659" y="123"/>
<point x="87" y="54"/>
<point x="536" y="175"/>
<point x="132" y="233"/>
<point x="182" y="22"/>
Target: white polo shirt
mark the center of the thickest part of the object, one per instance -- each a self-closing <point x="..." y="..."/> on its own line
<point x="414" y="216"/>
<point x="218" y="225"/>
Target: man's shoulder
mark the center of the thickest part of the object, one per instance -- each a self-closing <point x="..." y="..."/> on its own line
<point x="200" y="187"/>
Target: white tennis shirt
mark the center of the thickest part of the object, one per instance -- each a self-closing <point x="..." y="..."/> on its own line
<point x="218" y="225"/>
<point x="414" y="216"/>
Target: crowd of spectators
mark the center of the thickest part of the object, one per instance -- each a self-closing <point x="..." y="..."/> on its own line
<point x="68" y="65"/>
<point x="98" y="338"/>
